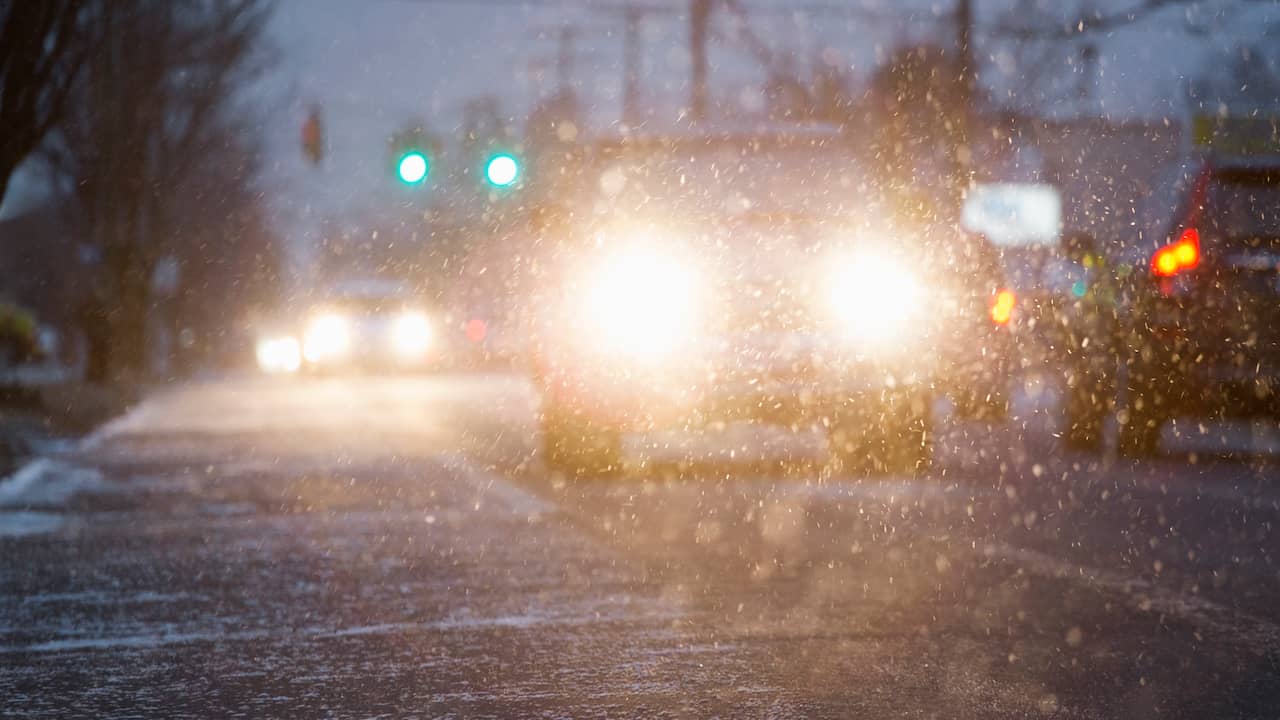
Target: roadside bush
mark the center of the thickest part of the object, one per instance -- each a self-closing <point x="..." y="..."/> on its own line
<point x="18" y="338"/>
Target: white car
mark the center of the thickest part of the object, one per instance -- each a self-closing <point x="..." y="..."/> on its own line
<point x="370" y="326"/>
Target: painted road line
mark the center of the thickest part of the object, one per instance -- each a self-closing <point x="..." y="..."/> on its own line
<point x="1248" y="630"/>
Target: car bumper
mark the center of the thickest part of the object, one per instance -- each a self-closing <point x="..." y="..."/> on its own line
<point x="371" y="361"/>
<point x="632" y="397"/>
<point x="1184" y="377"/>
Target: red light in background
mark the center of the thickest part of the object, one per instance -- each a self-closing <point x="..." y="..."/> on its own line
<point x="1002" y="307"/>
<point x="476" y="330"/>
<point x="1188" y="249"/>
<point x="1179" y="256"/>
<point x="1165" y="262"/>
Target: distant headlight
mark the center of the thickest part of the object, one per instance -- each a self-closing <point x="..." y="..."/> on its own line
<point x="411" y="334"/>
<point x="279" y="355"/>
<point x="875" y="298"/>
<point x="327" y="336"/>
<point x="641" y="303"/>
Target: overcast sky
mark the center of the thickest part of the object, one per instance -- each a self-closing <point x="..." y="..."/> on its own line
<point x="373" y="64"/>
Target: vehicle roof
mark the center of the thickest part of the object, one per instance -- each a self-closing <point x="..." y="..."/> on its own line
<point x="1244" y="162"/>
<point x="720" y="132"/>
<point x="368" y="289"/>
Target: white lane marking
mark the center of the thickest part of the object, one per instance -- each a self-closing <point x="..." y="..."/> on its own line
<point x="99" y="597"/>
<point x="892" y="489"/>
<point x="1252" y="493"/>
<point x="144" y="641"/>
<point x="454" y="623"/>
<point x="1257" y="633"/>
<point x="1201" y="435"/>
<point x="490" y="485"/>
<point x="464" y="622"/>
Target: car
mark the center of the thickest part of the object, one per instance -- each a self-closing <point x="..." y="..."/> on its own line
<point x="776" y="283"/>
<point x="369" y="324"/>
<point x="1085" y="325"/>
<point x="1203" y="337"/>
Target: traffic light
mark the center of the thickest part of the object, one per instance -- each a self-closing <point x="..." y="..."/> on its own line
<point x="413" y="167"/>
<point x="502" y="170"/>
<point x="313" y="137"/>
<point x="412" y="152"/>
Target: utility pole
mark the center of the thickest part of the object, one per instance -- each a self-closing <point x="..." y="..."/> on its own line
<point x="565" y="55"/>
<point x="964" y="43"/>
<point x="631" y="65"/>
<point x="481" y="120"/>
<point x="962" y="151"/>
<point x="699" y="22"/>
<point x="633" y="14"/>
<point x="964" y="48"/>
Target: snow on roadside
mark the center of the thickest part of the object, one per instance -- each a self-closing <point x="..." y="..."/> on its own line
<point x="47" y="482"/>
<point x="22" y="523"/>
<point x="490" y="485"/>
<point x="42" y="484"/>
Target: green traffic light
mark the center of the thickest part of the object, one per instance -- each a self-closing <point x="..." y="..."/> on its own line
<point x="413" y="168"/>
<point x="502" y="170"/>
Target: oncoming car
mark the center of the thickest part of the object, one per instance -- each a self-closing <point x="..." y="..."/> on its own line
<point x="750" y="295"/>
<point x="369" y="325"/>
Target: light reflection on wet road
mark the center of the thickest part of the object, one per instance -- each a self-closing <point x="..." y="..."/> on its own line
<point x="392" y="546"/>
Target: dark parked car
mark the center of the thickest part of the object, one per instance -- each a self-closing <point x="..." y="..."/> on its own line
<point x="1204" y="331"/>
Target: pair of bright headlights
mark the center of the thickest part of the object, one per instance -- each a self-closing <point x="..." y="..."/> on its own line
<point x="279" y="355"/>
<point x="328" y="336"/>
<point x="648" y="304"/>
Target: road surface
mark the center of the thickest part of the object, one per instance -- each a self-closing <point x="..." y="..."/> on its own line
<point x="393" y="548"/>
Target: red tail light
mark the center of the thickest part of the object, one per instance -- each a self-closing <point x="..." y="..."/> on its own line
<point x="1177" y="257"/>
<point x="1002" y="307"/>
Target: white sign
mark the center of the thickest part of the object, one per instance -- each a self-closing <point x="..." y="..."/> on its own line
<point x="1014" y="213"/>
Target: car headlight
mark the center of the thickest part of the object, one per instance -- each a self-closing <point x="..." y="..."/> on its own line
<point x="641" y="303"/>
<point x="875" y="298"/>
<point x="279" y="355"/>
<point x="327" y="336"/>
<point x="411" y="334"/>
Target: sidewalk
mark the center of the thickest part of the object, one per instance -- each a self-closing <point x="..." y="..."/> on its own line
<point x="35" y="417"/>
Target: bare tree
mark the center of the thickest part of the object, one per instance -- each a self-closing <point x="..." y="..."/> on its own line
<point x="157" y="102"/>
<point x="912" y="103"/>
<point x="43" y="45"/>
<point x="229" y="257"/>
<point x="1037" y="40"/>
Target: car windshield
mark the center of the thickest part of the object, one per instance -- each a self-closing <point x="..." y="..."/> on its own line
<point x="640" y="359"/>
<point x="726" y="177"/>
<point x="367" y="305"/>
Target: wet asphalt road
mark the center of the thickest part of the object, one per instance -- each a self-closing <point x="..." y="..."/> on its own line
<point x="392" y="547"/>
